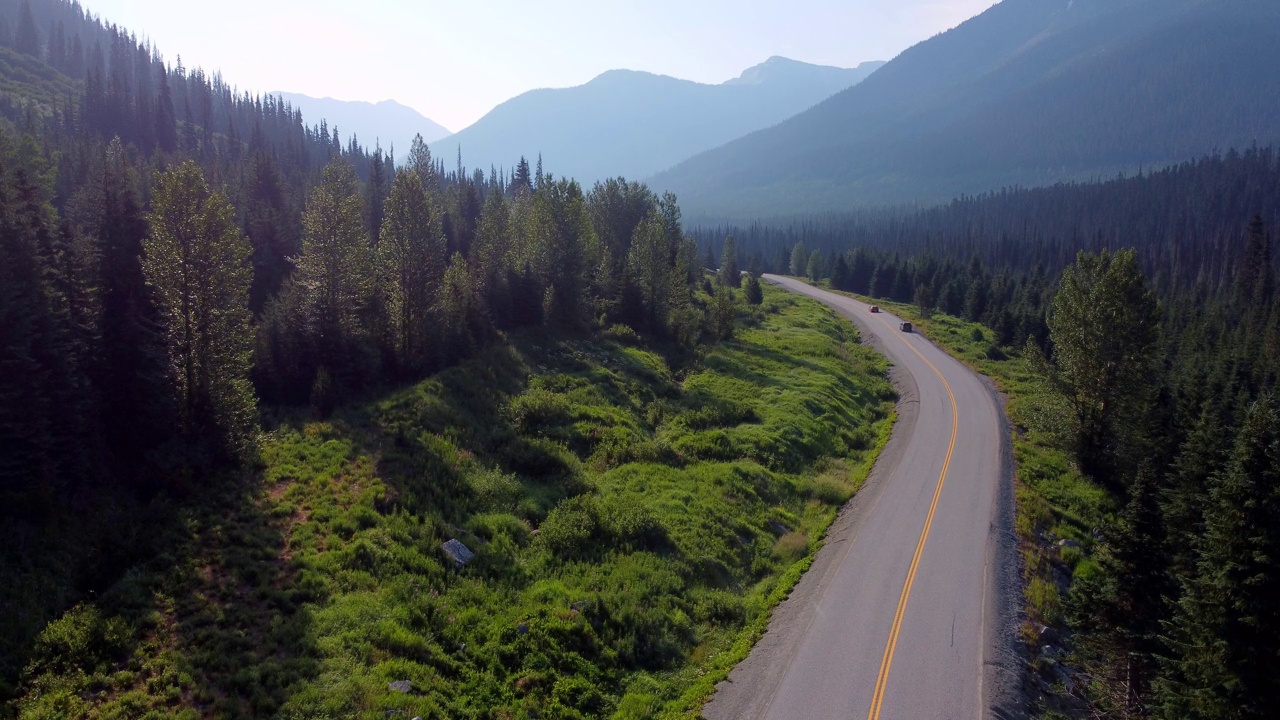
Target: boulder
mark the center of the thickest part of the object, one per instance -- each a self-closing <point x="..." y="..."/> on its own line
<point x="457" y="552"/>
<point x="400" y="686"/>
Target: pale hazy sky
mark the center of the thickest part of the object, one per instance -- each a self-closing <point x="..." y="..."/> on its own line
<point x="453" y="61"/>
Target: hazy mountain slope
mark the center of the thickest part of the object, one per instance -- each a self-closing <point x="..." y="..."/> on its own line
<point x="387" y="122"/>
<point x="635" y="124"/>
<point x="1030" y="92"/>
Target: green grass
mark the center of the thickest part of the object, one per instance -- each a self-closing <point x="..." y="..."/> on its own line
<point x="28" y="85"/>
<point x="636" y="516"/>
<point x="1054" y="501"/>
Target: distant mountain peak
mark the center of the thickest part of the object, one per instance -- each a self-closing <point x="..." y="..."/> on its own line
<point x="386" y="122"/>
<point x="635" y="123"/>
<point x="778" y="68"/>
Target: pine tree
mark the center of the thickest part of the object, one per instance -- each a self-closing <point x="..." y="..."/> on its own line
<point x="378" y="187"/>
<point x="489" y="258"/>
<point x="335" y="272"/>
<point x="729" y="274"/>
<point x="461" y="319"/>
<point x="1224" y="636"/>
<point x="38" y="367"/>
<point x="722" y="313"/>
<point x="27" y="39"/>
<point x="421" y="164"/>
<point x="649" y="264"/>
<point x="565" y="251"/>
<point x="166" y="123"/>
<point x="268" y="227"/>
<point x="129" y="368"/>
<point x="1118" y="611"/>
<point x="198" y="262"/>
<point x="752" y="292"/>
<point x="411" y="259"/>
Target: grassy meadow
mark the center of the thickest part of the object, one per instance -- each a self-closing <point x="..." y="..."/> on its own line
<point x="635" y="514"/>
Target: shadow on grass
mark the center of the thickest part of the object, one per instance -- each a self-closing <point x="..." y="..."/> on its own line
<point x="209" y="619"/>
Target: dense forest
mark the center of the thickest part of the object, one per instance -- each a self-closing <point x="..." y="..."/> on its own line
<point x="1149" y="304"/>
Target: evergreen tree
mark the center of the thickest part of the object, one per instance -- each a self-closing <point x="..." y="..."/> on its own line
<point x="1118" y="611"/>
<point x="523" y="181"/>
<point x="166" y="123"/>
<point x="267" y="223"/>
<point x="411" y="258"/>
<point x="461" y="319"/>
<point x="565" y="251"/>
<point x="722" y="313"/>
<point x="27" y="38"/>
<point x="729" y="274"/>
<point x="649" y="263"/>
<point x="39" y="408"/>
<point x="198" y="263"/>
<point x="752" y="291"/>
<point x="421" y="164"/>
<point x="335" y="272"/>
<point x="1226" y="627"/>
<point x="377" y="188"/>
<point x="129" y="369"/>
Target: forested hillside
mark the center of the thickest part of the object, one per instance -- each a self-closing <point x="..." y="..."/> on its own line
<point x="253" y="379"/>
<point x="1031" y="92"/>
<point x="1143" y="374"/>
<point x="634" y="124"/>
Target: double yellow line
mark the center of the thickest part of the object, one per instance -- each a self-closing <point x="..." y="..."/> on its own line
<point x="877" y="700"/>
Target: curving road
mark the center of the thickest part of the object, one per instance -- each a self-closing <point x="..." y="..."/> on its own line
<point x="904" y="613"/>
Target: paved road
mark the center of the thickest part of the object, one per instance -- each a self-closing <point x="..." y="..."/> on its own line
<point x="892" y="621"/>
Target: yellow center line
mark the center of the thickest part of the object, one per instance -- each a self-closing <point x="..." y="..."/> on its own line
<point x="877" y="699"/>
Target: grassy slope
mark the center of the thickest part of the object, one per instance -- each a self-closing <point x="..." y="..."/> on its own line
<point x="1054" y="501"/>
<point x="27" y="83"/>
<point x="634" y="523"/>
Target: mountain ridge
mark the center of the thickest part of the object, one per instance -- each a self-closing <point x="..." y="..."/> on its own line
<point x="635" y="123"/>
<point x="386" y="122"/>
<point x="985" y="105"/>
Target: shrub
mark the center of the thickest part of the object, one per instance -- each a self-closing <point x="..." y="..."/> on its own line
<point x="623" y="334"/>
<point x="538" y="409"/>
<point x="791" y="547"/>
<point x="570" y="527"/>
<point x="994" y="352"/>
<point x="80" y="640"/>
<point x="494" y="489"/>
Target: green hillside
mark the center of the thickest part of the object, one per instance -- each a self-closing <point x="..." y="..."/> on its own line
<point x="634" y="515"/>
<point x="28" y="85"/>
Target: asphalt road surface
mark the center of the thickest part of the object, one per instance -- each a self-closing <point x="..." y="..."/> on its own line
<point x="893" y="621"/>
